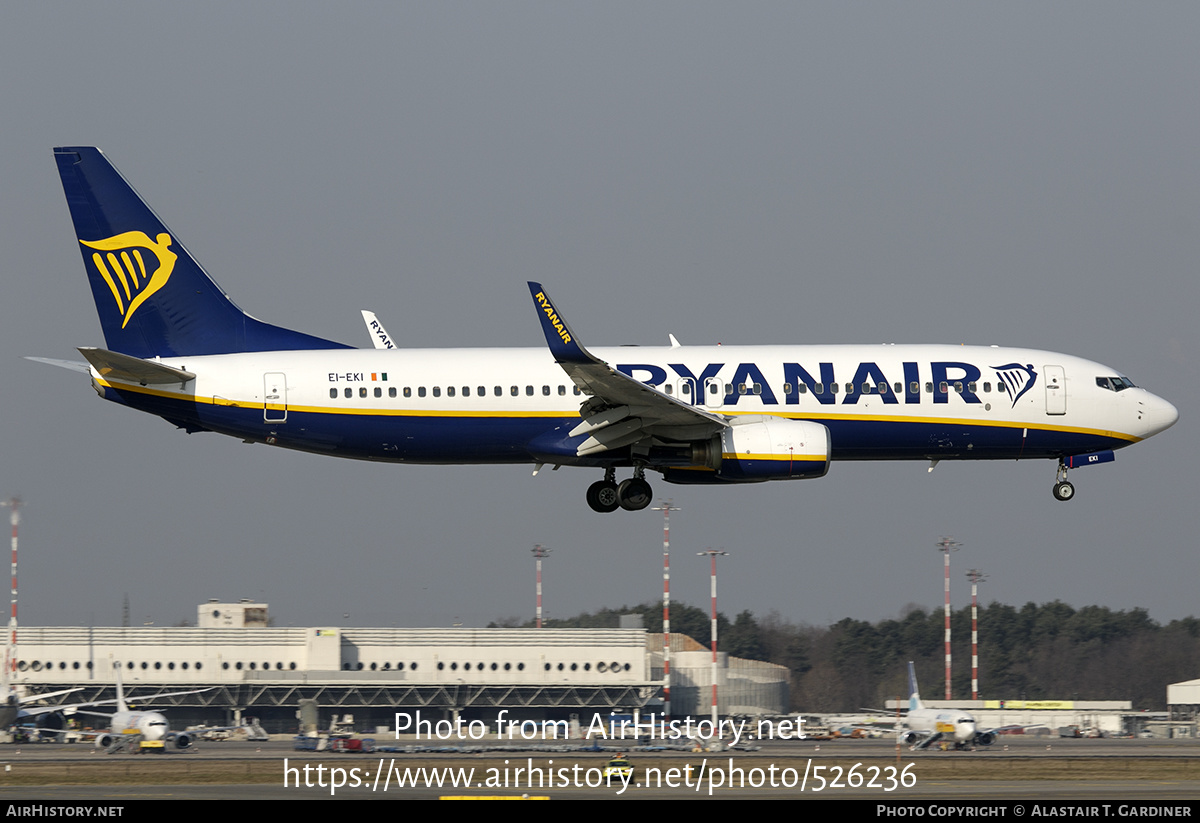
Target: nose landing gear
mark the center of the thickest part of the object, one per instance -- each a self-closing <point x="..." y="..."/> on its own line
<point x="1062" y="489"/>
<point x="632" y="495"/>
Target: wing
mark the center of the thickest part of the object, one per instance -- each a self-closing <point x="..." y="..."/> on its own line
<point x="74" y="733"/>
<point x="38" y="711"/>
<point x="621" y="410"/>
<point x="251" y="730"/>
<point x="80" y="708"/>
<point x="33" y="698"/>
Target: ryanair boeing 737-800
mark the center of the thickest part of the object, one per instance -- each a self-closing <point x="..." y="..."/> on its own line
<point x="178" y="348"/>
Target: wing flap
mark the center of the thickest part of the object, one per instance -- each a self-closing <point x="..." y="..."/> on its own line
<point x="607" y="418"/>
<point x="613" y="437"/>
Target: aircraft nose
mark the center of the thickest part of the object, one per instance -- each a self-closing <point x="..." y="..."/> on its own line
<point x="1158" y="415"/>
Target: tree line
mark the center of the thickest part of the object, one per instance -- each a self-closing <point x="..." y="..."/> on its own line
<point x="1035" y="652"/>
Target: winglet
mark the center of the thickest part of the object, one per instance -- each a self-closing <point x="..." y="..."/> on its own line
<point x="379" y="335"/>
<point x="562" y="341"/>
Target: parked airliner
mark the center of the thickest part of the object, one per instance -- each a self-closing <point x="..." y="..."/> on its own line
<point x="124" y="724"/>
<point x="127" y="724"/>
<point x="923" y="727"/>
<point x="179" y="348"/>
<point x="12" y="713"/>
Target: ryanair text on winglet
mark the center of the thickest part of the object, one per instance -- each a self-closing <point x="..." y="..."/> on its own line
<point x="553" y="316"/>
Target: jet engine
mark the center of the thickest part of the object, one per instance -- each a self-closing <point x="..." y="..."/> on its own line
<point x="755" y="448"/>
<point x="49" y="724"/>
<point x="985" y="738"/>
<point x="182" y="740"/>
<point x="909" y="738"/>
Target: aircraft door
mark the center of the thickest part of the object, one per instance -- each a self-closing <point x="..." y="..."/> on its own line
<point x="274" y="397"/>
<point x="1056" y="389"/>
<point x="714" y="393"/>
<point x="685" y="390"/>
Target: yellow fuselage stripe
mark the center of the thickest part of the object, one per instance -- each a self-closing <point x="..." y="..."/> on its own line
<point x="788" y="458"/>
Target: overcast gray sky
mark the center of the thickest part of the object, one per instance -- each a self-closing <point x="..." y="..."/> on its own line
<point x="1009" y="173"/>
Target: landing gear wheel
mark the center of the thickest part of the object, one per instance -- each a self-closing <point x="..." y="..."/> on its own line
<point x="1063" y="491"/>
<point x="635" y="494"/>
<point x="602" y="496"/>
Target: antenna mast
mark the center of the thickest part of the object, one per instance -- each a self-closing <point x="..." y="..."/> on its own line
<point x="540" y="552"/>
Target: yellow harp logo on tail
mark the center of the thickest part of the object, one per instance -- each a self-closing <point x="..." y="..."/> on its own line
<point x="123" y="267"/>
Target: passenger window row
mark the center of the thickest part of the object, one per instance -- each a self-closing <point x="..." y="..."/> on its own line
<point x="454" y="391"/>
<point x="914" y="388"/>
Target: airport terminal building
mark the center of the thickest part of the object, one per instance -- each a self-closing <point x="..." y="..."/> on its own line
<point x="250" y="668"/>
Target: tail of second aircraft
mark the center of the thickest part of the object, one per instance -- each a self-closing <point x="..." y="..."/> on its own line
<point x="153" y="298"/>
<point x="914" y="696"/>
<point x="122" y="706"/>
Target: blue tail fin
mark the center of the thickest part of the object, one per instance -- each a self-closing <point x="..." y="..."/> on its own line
<point x="914" y="696"/>
<point x="153" y="298"/>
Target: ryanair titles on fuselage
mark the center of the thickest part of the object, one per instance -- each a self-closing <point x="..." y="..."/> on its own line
<point x="947" y="377"/>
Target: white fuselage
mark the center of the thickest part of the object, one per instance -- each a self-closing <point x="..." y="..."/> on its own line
<point x="150" y="725"/>
<point x="486" y="405"/>
<point x="957" y="726"/>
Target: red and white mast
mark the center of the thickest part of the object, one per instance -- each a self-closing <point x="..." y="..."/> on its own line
<point x="666" y="508"/>
<point x="976" y="577"/>
<point x="10" y="661"/>
<point x="945" y="546"/>
<point x="712" y="555"/>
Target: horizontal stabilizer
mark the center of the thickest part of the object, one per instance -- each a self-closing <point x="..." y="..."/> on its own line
<point x="132" y="369"/>
<point x="73" y="365"/>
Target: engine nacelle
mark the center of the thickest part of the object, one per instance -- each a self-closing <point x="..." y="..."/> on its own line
<point x="182" y="740"/>
<point x="985" y="738"/>
<point x="909" y="738"/>
<point x="48" y="725"/>
<point x="760" y="447"/>
<point x="103" y="741"/>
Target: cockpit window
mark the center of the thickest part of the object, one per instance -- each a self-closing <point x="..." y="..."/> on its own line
<point x="1115" y="383"/>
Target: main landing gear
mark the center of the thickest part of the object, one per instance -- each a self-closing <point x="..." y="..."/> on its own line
<point x="632" y="495"/>
<point x="1062" y="489"/>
